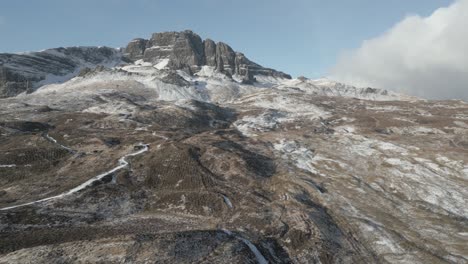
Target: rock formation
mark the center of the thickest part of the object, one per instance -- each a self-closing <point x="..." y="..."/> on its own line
<point x="25" y="72"/>
<point x="187" y="51"/>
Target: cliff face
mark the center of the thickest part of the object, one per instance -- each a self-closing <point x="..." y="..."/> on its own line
<point x="187" y="51"/>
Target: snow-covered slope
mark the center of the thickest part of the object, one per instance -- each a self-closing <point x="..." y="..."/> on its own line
<point x="158" y="82"/>
<point x="326" y="87"/>
<point x="30" y="70"/>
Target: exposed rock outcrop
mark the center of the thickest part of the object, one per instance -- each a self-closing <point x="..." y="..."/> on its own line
<point x="210" y="52"/>
<point x="136" y="48"/>
<point x="187" y="51"/>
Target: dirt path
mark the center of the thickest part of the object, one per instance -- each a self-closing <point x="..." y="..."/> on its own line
<point x="121" y="164"/>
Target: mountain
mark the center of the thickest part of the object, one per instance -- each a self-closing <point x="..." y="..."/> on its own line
<point x="187" y="51"/>
<point x="180" y="150"/>
<point x="179" y="50"/>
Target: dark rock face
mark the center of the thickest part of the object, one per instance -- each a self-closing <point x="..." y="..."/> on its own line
<point x="23" y="72"/>
<point x="173" y="78"/>
<point x="225" y="58"/>
<point x="12" y="83"/>
<point x="187" y="51"/>
<point x="136" y="48"/>
<point x="26" y="126"/>
<point x="210" y="52"/>
<point x="88" y="71"/>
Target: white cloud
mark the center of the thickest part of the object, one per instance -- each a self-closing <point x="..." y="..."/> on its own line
<point x="422" y="56"/>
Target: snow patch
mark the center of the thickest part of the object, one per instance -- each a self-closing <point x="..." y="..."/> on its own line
<point x="143" y="63"/>
<point x="162" y="64"/>
<point x="260" y="258"/>
<point x="264" y="122"/>
<point x="461" y="124"/>
<point x="416" y="130"/>
<point x="227" y="201"/>
<point x="302" y="157"/>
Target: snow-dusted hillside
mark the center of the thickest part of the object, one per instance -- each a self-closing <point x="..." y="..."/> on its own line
<point x="158" y="82"/>
<point x="185" y="154"/>
<point x="29" y="70"/>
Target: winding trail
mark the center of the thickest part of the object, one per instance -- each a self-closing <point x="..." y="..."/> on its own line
<point x="8" y="166"/>
<point x="122" y="164"/>
<point x="53" y="140"/>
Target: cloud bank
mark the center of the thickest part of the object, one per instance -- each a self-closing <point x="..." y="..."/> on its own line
<point x="422" y="56"/>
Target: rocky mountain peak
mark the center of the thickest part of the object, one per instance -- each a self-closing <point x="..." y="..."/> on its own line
<point x="185" y="50"/>
<point x="188" y="51"/>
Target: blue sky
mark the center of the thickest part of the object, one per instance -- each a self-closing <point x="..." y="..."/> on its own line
<point x="301" y="37"/>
